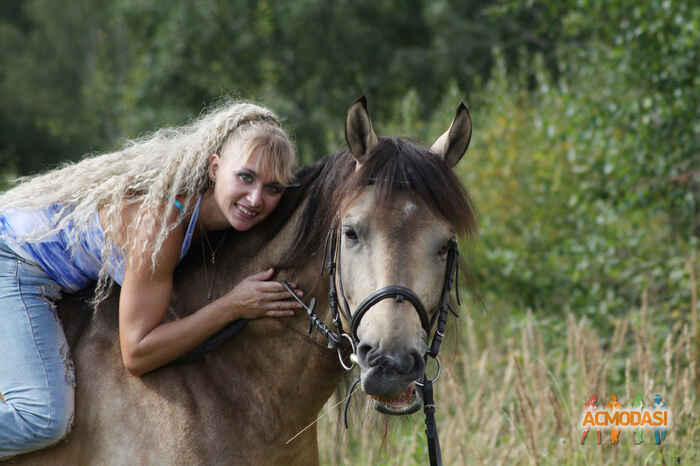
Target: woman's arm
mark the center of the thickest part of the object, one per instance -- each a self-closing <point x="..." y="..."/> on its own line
<point x="147" y="343"/>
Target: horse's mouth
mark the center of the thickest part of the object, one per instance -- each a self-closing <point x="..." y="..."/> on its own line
<point x="407" y="402"/>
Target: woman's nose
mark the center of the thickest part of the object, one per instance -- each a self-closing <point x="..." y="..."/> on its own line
<point x="255" y="196"/>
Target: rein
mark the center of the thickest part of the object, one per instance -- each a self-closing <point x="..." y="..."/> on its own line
<point x="339" y="339"/>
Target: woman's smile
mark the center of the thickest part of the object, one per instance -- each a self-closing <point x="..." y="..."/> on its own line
<point x="246" y="212"/>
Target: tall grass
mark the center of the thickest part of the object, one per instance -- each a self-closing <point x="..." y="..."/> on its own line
<point x="513" y="388"/>
<point x="566" y="230"/>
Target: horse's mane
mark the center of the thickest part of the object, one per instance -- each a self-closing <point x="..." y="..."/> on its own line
<point x="395" y="165"/>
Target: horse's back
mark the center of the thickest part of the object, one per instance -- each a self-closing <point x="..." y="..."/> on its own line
<point x="119" y="419"/>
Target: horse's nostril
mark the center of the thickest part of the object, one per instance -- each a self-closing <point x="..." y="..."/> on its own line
<point x="405" y="363"/>
<point x="410" y="363"/>
<point x="374" y="358"/>
<point x="418" y="362"/>
<point x="366" y="353"/>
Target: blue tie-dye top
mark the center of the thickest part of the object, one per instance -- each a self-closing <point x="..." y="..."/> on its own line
<point x="74" y="268"/>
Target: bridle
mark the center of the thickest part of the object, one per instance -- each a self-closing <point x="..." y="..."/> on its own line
<point x="339" y="339"/>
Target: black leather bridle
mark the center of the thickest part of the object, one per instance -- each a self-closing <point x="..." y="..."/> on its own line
<point x="337" y="339"/>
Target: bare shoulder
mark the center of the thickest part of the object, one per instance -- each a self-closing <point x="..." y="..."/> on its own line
<point x="142" y="230"/>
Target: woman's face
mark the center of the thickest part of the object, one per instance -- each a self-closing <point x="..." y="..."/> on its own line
<point x="243" y="194"/>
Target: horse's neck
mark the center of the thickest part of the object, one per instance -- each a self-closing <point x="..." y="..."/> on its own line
<point x="242" y="401"/>
<point x="273" y="360"/>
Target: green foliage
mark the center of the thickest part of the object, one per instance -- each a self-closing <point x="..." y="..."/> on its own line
<point x="586" y="129"/>
<point x="587" y="183"/>
<point x="638" y="72"/>
<point x="82" y="76"/>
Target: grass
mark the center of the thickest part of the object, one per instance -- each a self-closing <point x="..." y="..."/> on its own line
<point x="513" y="388"/>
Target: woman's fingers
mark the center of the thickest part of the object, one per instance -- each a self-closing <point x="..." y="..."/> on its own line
<point x="264" y="275"/>
<point x="282" y="304"/>
<point x="264" y="297"/>
<point x="271" y="286"/>
<point x="282" y="295"/>
<point x="279" y="313"/>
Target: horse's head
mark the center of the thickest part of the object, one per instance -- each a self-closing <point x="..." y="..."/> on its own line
<point x="399" y="212"/>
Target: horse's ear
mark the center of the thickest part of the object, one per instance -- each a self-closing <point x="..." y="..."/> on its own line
<point x="359" y="134"/>
<point x="452" y="145"/>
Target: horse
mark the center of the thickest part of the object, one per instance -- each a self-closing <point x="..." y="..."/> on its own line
<point x="393" y="208"/>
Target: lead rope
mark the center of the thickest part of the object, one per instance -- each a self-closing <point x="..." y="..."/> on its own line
<point x="431" y="433"/>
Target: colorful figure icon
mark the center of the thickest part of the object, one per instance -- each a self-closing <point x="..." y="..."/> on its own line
<point x="590" y="405"/>
<point x="613" y="405"/>
<point x="659" y="434"/>
<point x="638" y="403"/>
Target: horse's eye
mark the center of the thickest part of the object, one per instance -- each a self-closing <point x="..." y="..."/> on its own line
<point x="350" y="233"/>
<point x="444" y="249"/>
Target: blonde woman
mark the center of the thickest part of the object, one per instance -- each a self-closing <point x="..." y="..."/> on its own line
<point x="129" y="217"/>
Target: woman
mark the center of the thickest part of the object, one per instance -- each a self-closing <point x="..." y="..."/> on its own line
<point x="129" y="217"/>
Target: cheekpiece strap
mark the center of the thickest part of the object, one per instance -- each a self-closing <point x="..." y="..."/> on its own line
<point x="330" y="259"/>
<point x="445" y="308"/>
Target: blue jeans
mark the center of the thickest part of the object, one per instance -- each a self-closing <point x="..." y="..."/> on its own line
<point x="37" y="380"/>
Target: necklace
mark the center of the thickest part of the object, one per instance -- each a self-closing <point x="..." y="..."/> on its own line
<point x="213" y="251"/>
<point x="212" y="259"/>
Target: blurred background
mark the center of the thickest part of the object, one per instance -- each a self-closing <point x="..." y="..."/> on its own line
<point x="584" y="166"/>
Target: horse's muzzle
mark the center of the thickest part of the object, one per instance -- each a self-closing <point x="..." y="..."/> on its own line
<point x="389" y="377"/>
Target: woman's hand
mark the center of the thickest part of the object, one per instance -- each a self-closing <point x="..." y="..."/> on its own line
<point x="257" y="296"/>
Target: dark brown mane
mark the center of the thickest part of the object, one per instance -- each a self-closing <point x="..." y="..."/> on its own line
<point x="395" y="165"/>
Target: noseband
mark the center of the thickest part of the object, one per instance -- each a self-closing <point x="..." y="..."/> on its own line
<point x="399" y="293"/>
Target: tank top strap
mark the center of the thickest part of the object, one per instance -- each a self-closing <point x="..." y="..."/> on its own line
<point x="190" y="228"/>
<point x="178" y="204"/>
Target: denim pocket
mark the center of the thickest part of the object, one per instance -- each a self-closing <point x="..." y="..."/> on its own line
<point x="33" y="281"/>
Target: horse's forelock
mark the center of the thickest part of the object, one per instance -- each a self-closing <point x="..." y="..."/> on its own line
<point x="397" y="165"/>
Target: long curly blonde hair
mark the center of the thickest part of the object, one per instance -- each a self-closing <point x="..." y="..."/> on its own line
<point x="150" y="171"/>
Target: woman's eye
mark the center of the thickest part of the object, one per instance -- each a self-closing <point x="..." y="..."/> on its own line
<point x="246" y="177"/>
<point x="274" y="189"/>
